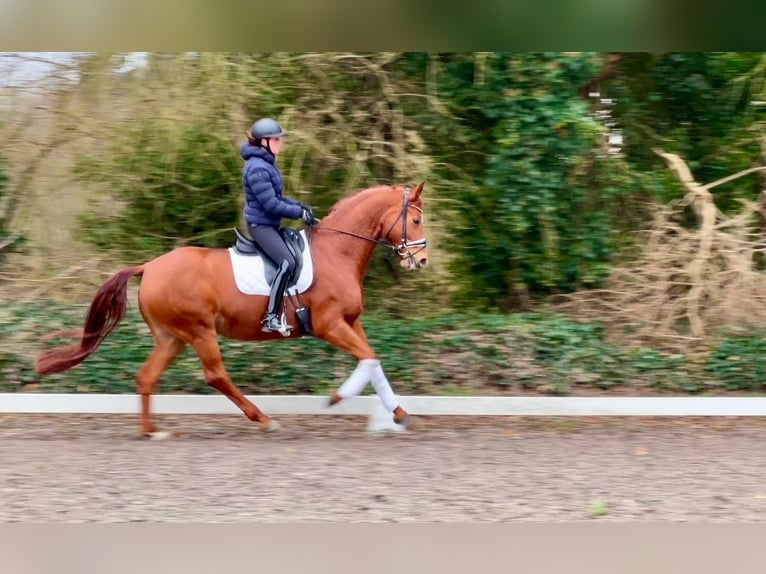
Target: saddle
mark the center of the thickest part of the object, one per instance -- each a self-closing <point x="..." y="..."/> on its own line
<point x="292" y="238"/>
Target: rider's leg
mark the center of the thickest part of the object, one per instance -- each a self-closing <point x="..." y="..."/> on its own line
<point x="271" y="242"/>
<point x="272" y="321"/>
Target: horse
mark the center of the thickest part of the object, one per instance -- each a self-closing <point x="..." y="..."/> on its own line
<point x="190" y="296"/>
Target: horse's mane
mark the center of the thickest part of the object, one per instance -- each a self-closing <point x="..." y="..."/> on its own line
<point x="361" y="194"/>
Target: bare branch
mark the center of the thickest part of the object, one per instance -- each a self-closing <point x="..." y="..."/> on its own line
<point x="686" y="283"/>
<point x="732" y="177"/>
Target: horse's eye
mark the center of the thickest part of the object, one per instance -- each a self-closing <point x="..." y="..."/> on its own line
<point x="416" y="220"/>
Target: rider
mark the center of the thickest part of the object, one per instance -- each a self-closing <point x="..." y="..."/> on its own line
<point x="265" y="206"/>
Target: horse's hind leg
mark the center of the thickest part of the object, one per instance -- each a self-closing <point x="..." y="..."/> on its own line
<point x="209" y="353"/>
<point x="166" y="349"/>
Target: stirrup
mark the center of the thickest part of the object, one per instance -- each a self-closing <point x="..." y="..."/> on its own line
<point x="273" y="324"/>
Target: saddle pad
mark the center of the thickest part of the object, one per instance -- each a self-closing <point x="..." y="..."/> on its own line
<point x="250" y="277"/>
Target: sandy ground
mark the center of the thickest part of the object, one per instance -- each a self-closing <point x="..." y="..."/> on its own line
<point x="448" y="469"/>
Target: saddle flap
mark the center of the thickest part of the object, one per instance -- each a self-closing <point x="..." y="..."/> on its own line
<point x="293" y="240"/>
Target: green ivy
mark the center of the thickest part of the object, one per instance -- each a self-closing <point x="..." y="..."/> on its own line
<point x="447" y="354"/>
<point x="534" y="222"/>
<point x="739" y="362"/>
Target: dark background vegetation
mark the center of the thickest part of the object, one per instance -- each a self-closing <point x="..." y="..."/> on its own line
<point x="568" y="255"/>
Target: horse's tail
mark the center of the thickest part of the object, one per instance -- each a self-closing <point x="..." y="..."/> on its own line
<point x="106" y="311"/>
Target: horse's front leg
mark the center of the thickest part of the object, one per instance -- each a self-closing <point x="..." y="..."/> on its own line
<point x="352" y="339"/>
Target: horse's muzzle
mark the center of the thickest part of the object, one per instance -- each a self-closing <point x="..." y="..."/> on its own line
<point x="411" y="264"/>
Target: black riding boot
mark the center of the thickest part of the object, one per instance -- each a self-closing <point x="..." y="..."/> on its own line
<point x="272" y="320"/>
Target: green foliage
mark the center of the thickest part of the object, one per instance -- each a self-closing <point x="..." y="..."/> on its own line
<point x="523" y="201"/>
<point x="8" y="243"/>
<point x="698" y="105"/>
<point x="3" y="180"/>
<point x="537" y="219"/>
<point x="175" y="188"/>
<point x="578" y="354"/>
<point x="448" y="354"/>
<point x="171" y="171"/>
<point x="539" y="208"/>
<point x="739" y="362"/>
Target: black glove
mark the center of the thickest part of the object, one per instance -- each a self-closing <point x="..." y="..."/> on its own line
<point x="308" y="216"/>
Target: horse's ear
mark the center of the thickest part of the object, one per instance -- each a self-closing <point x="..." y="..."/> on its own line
<point x="417" y="191"/>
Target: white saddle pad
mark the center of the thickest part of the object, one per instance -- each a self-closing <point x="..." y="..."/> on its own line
<point x="250" y="277"/>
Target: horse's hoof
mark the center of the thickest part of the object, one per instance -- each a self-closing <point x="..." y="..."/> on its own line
<point x="158" y="435"/>
<point x="271" y="426"/>
<point x="404" y="420"/>
<point x="334" y="399"/>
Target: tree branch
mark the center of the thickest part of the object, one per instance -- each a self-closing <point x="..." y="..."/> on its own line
<point x="732" y="177"/>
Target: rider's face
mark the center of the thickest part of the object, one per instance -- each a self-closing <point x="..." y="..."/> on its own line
<point x="275" y="144"/>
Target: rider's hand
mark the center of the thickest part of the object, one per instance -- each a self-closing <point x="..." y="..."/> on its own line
<point x="308" y="216"/>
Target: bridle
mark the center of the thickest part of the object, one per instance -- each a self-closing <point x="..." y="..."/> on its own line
<point x="404" y="245"/>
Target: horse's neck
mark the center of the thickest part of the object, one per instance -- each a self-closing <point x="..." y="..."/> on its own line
<point x="360" y="218"/>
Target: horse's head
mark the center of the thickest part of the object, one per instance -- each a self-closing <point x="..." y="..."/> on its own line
<point x="385" y="215"/>
<point x="403" y="228"/>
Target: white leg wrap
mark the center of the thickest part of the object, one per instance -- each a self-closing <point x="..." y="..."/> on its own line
<point x="381" y="385"/>
<point x="355" y="383"/>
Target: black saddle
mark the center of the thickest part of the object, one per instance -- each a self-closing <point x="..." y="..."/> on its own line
<point x="292" y="238"/>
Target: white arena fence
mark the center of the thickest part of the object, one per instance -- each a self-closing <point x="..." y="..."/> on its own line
<point x="378" y="417"/>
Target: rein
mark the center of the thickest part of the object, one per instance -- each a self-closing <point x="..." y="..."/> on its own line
<point x="404" y="245"/>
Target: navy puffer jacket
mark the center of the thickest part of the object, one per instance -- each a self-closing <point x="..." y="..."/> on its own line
<point x="264" y="204"/>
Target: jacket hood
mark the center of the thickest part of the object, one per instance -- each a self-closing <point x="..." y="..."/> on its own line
<point x="248" y="150"/>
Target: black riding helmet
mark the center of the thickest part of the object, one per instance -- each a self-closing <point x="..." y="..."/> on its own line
<point x="266" y="128"/>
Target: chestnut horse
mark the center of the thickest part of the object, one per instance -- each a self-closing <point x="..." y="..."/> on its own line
<point x="189" y="296"/>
